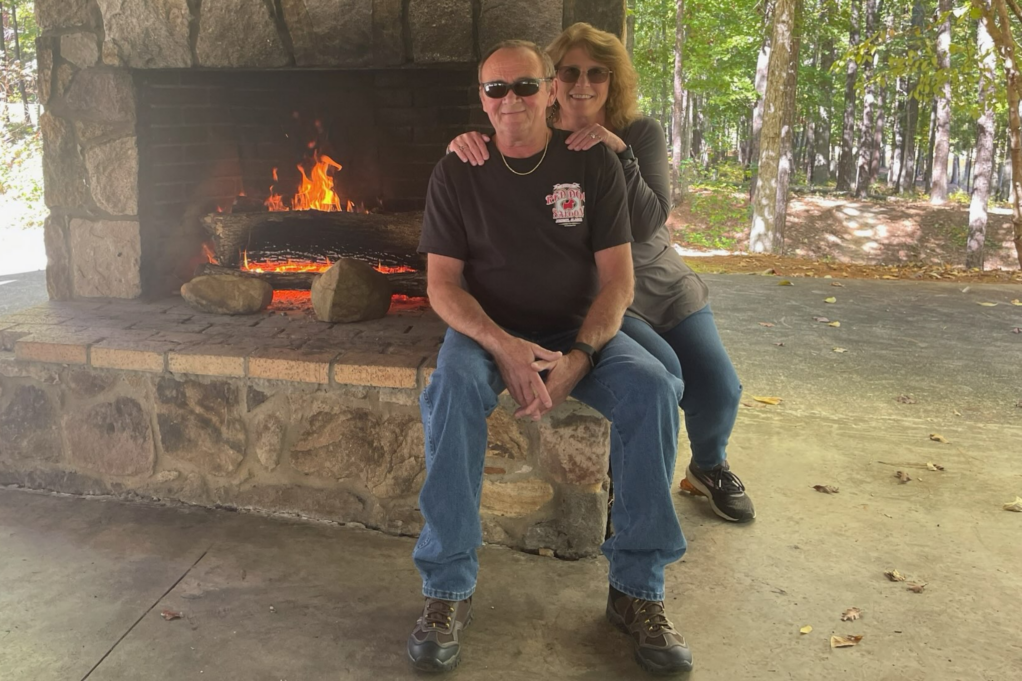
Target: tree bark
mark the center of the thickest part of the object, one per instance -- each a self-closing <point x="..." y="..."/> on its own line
<point x="21" y="66"/>
<point x="4" y="85"/>
<point x="868" y="110"/>
<point x="932" y="132"/>
<point x="846" y="166"/>
<point x="942" y="131"/>
<point x="898" y="135"/>
<point x="956" y="174"/>
<point x="984" y="151"/>
<point x="907" y="180"/>
<point x="770" y="201"/>
<point x="821" y="164"/>
<point x="679" y="111"/>
<point x="762" y="66"/>
<point x="877" y="158"/>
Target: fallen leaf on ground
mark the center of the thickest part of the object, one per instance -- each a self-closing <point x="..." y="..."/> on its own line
<point x="826" y="489"/>
<point x="806" y="629"/>
<point x="987" y="304"/>
<point x="170" y="615"/>
<point x="768" y="272"/>
<point x="851" y="614"/>
<point x="1015" y="506"/>
<point x="767" y="400"/>
<point x="903" y="477"/>
<point x="837" y="283"/>
<point x="937" y="437"/>
<point x="905" y="399"/>
<point x="887" y="276"/>
<point x="934" y="466"/>
<point x="831" y="299"/>
<point x="834" y="324"/>
<point x="821" y="319"/>
<point x="956" y="412"/>
<point x="894" y="576"/>
<point x="1017" y="330"/>
<point x="840" y="350"/>
<point x="966" y="289"/>
<point x="780" y="345"/>
<point x="1016" y="301"/>
<point x="784" y="282"/>
<point x="844" y="641"/>
<point x="767" y="324"/>
<point x="916" y="588"/>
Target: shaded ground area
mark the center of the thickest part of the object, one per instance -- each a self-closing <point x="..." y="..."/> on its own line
<point x="20" y="291"/>
<point x="891" y="232"/>
<point x="84" y="581"/>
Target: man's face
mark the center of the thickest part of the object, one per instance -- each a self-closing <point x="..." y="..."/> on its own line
<point x="514" y="117"/>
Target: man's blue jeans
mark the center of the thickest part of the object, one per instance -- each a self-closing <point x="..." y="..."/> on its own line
<point x="628" y="386"/>
<point x="693" y="350"/>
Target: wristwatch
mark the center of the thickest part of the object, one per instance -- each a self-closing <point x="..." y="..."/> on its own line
<point x="627" y="154"/>
<point x="588" y="350"/>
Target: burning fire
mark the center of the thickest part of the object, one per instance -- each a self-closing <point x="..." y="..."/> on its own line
<point x="316" y="191"/>
<point x="290" y="265"/>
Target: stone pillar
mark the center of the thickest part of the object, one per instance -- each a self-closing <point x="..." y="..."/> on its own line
<point x="606" y="15"/>
<point x="90" y="157"/>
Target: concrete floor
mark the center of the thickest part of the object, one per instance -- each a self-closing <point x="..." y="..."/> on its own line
<point x="83" y="581"/>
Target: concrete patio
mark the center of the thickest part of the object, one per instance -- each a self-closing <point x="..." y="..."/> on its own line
<point x="83" y="581"/>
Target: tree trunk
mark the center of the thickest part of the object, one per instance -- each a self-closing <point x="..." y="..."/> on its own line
<point x="846" y="166"/>
<point x="932" y="133"/>
<point x="4" y="85"/>
<point x="809" y="151"/>
<point x="679" y="112"/>
<point x="968" y="171"/>
<point x="984" y="149"/>
<point x="821" y="165"/>
<point x="877" y="159"/>
<point x="866" y="128"/>
<point x="955" y="172"/>
<point x="898" y="135"/>
<point x="21" y="66"/>
<point x="697" y="130"/>
<point x="907" y="181"/>
<point x="770" y="201"/>
<point x="762" y="66"/>
<point x="942" y="131"/>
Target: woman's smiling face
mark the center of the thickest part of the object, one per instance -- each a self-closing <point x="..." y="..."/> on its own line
<point x="582" y="98"/>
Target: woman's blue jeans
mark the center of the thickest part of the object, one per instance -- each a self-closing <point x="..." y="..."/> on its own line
<point x="628" y="386"/>
<point x="693" y="351"/>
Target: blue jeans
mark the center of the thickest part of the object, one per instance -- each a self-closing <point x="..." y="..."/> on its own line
<point x="628" y="386"/>
<point x="693" y="350"/>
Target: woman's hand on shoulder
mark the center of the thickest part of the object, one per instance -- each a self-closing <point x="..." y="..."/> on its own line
<point x="594" y="134"/>
<point x="470" y="147"/>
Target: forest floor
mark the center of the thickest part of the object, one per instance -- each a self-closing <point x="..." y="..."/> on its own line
<point x="889" y="238"/>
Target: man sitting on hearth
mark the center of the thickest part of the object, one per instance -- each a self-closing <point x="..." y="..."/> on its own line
<point x="529" y="263"/>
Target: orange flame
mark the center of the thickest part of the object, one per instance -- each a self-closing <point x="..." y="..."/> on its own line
<point x="290" y="265"/>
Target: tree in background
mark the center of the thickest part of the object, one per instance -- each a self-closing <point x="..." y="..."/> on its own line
<point x="18" y="32"/>
<point x="984" y="148"/>
<point x="942" y="115"/>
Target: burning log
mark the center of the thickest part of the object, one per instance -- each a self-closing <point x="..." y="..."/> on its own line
<point x="313" y="235"/>
<point x="411" y="284"/>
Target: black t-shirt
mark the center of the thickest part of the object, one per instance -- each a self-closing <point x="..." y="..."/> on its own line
<point x="528" y="241"/>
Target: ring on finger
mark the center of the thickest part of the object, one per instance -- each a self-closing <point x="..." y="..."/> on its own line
<point x="593" y="135"/>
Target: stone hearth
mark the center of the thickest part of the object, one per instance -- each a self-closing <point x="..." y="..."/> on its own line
<point x="274" y="412"/>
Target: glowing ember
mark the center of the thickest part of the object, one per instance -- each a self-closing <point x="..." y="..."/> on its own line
<point x="290" y="265"/>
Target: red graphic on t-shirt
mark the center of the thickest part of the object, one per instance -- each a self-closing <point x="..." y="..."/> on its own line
<point x="569" y="204"/>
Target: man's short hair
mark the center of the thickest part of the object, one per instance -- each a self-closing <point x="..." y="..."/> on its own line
<point x="544" y="59"/>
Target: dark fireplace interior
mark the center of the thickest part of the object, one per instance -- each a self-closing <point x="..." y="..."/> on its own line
<point x="226" y="141"/>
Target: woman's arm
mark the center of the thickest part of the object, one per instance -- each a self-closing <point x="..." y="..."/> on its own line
<point x="648" y="178"/>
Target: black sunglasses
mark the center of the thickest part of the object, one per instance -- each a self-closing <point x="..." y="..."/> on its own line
<point x="523" y="87"/>
<point x="571" y="74"/>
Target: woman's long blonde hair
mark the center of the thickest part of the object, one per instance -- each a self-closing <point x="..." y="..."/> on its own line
<point x="622" y="100"/>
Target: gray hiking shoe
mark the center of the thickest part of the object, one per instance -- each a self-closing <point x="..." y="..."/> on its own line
<point x="724" y="490"/>
<point x="435" y="643"/>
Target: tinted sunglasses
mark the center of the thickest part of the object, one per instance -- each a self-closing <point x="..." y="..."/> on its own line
<point x="571" y="74"/>
<point x="523" y="87"/>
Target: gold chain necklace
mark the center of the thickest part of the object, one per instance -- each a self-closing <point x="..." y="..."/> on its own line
<point x="529" y="172"/>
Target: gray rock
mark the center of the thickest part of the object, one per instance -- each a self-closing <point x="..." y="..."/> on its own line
<point x="330" y="32"/>
<point x="605" y="15"/>
<point x="268" y="440"/>
<point x="28" y="426"/>
<point x="239" y="33"/>
<point x="113" y="176"/>
<point x="107" y="258"/>
<point x="63" y="166"/>
<point x="44" y="70"/>
<point x="149" y="34"/>
<point x="441" y="31"/>
<point x="59" y="280"/>
<point x="101" y="94"/>
<point x="112" y="438"/>
<point x="201" y="423"/>
<point x="81" y="49"/>
<point x="227" y="294"/>
<point x="350" y="291"/>
<point x="54" y="14"/>
<point x="578" y="528"/>
<point x="504" y="20"/>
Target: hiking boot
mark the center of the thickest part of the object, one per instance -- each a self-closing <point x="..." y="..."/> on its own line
<point x="724" y="490"/>
<point x="435" y="643"/>
<point x="659" y="647"/>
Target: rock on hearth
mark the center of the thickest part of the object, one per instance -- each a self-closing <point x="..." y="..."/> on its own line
<point x="350" y="291"/>
<point x="227" y="294"/>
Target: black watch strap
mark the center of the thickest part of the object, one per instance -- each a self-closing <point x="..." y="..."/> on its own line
<point x="627" y="154"/>
<point x="588" y="350"/>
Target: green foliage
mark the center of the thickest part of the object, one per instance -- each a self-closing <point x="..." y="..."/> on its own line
<point x="717" y="216"/>
<point x="21" y="178"/>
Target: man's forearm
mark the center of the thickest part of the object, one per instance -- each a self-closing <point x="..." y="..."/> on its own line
<point x="604" y="317"/>
<point x="462" y="312"/>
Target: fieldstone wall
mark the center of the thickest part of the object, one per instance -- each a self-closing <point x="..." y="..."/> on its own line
<point x="88" y="48"/>
<point x="351" y="454"/>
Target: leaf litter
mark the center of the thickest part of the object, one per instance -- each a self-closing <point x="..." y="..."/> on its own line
<point x="766" y="324"/>
<point x="1015" y="506"/>
<point x="826" y="489"/>
<point x="903" y="477"/>
<point x="851" y="614"/>
<point x="916" y="588"/>
<point x="937" y="437"/>
<point x="846" y="641"/>
<point x="934" y="466"/>
<point x="170" y="615"/>
<point x="768" y="400"/>
<point x="894" y="576"/>
<point x="830" y="299"/>
<point x="806" y="629"/>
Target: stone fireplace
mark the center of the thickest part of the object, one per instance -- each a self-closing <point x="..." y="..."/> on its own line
<point x="159" y="112"/>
